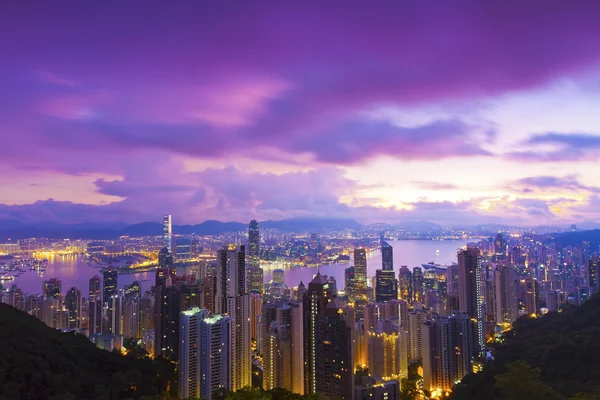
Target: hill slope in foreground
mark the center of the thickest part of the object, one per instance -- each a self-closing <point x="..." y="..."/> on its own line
<point x="556" y="356"/>
<point x="38" y="362"/>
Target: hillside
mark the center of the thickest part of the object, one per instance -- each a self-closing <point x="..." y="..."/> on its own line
<point x="38" y="362"/>
<point x="574" y="238"/>
<point x="556" y="356"/>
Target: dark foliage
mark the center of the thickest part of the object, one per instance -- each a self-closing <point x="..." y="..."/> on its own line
<point x="38" y="362"/>
<point x="555" y="356"/>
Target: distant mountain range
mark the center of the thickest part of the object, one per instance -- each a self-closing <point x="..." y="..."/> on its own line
<point x="11" y="229"/>
<point x="572" y="238"/>
<point x="14" y="230"/>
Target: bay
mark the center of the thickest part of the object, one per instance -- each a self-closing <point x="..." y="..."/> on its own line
<point x="74" y="271"/>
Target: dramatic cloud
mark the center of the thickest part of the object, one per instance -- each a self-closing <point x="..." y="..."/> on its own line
<point x="567" y="183"/>
<point x="565" y="147"/>
<point x="259" y="110"/>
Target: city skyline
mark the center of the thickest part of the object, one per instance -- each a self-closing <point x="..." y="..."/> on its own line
<point x="475" y="112"/>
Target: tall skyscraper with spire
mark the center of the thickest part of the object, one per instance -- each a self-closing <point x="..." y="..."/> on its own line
<point x="254" y="244"/>
<point x="168" y="232"/>
<point x="255" y="273"/>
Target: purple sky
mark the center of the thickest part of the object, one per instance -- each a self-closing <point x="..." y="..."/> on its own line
<point x="454" y="112"/>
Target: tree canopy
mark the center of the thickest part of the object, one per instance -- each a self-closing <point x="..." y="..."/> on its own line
<point x="556" y="356"/>
<point x="38" y="362"/>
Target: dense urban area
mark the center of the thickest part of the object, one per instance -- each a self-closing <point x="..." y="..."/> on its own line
<point x="408" y="331"/>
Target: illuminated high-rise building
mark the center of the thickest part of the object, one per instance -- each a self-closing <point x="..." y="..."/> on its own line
<point x="471" y="291"/>
<point x="506" y="294"/>
<point x="73" y="304"/>
<point x="189" y="352"/>
<point x="350" y="282"/>
<point x="278" y="276"/>
<point x="387" y="257"/>
<point x="209" y="291"/>
<point x="282" y="348"/>
<point x="168" y="232"/>
<point x="417" y="284"/>
<point x="110" y="290"/>
<point x="499" y="246"/>
<point x="256" y="304"/>
<point x="205" y="363"/>
<point x="530" y="287"/>
<point x="334" y="366"/>
<point x="166" y="324"/>
<point x="254" y="244"/>
<point x="233" y="300"/>
<point x="52" y="288"/>
<point x="231" y="278"/>
<point x="405" y="291"/>
<point x="593" y="270"/>
<point x="255" y="280"/>
<point x="360" y="271"/>
<point x="415" y="323"/>
<point x="315" y="299"/>
<point x="131" y="318"/>
<point x="386" y="288"/>
<point x="447" y="352"/>
<point x="94" y="306"/>
<point x="182" y="249"/>
<point x="132" y="290"/>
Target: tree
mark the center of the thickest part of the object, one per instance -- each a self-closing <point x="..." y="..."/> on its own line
<point x="522" y="382"/>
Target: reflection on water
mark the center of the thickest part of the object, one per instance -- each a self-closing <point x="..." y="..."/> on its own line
<point x="74" y="271"/>
<point x="412" y="253"/>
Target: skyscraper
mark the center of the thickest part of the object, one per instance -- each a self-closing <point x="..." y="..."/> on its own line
<point x="506" y="294"/>
<point x="168" y="232"/>
<point x="593" y="269"/>
<point x="417" y="284"/>
<point x="405" y="284"/>
<point x="500" y="246"/>
<point x="182" y="248"/>
<point x="109" y="289"/>
<point x="415" y="323"/>
<point x="255" y="280"/>
<point x="189" y="352"/>
<point x="447" y="351"/>
<point x="205" y="363"/>
<point x="334" y="354"/>
<point x="315" y="299"/>
<point x="282" y="362"/>
<point x="471" y="293"/>
<point x="255" y="273"/>
<point x="254" y="244"/>
<point x="73" y="303"/>
<point x="530" y="289"/>
<point x="387" y="257"/>
<point x="350" y="282"/>
<point x="233" y="300"/>
<point x="94" y="306"/>
<point x="166" y="310"/>
<point x="52" y="288"/>
<point x="360" y="271"/>
<point x="216" y="355"/>
<point x="386" y="287"/>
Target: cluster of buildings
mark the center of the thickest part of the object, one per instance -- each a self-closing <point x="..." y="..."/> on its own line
<point x="227" y="329"/>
